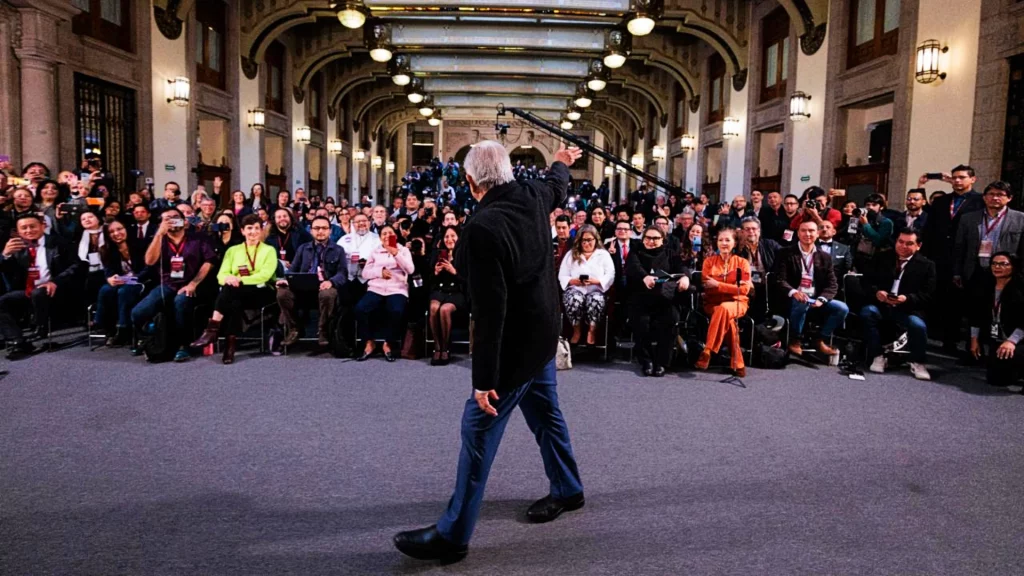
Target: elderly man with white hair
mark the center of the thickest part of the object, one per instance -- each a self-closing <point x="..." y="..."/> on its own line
<point x="504" y="258"/>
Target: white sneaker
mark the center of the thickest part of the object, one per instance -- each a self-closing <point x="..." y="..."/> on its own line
<point x="878" y="365"/>
<point x="919" y="371"/>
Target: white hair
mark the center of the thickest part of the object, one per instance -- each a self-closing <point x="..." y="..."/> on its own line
<point x="489" y="165"/>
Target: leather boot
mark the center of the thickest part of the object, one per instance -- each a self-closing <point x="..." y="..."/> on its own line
<point x="230" y="343"/>
<point x="209" y="336"/>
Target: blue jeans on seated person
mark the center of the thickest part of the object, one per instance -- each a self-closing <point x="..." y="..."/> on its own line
<point x="123" y="298"/>
<point x="917" y="331"/>
<point x="394" y="313"/>
<point x="834" y="310"/>
<point x="157" y="300"/>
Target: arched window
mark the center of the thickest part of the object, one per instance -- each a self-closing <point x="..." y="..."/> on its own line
<point x="874" y="30"/>
<point x="274" y="60"/>
<point x="774" y="55"/>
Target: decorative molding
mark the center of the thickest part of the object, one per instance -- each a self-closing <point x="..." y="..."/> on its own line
<point x="299" y="94"/>
<point x="664" y="120"/>
<point x="250" y="68"/>
<point x="812" y="41"/>
<point x="739" y="80"/>
<point x="332" y="112"/>
<point x="167" y="20"/>
<point x="695" y="103"/>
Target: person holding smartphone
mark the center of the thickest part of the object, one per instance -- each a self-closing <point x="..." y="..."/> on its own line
<point x="37" y="268"/>
<point x="586" y="273"/>
<point x="387" y="272"/>
<point x="446" y="296"/>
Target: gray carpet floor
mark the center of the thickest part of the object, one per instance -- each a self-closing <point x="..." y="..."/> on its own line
<point x="298" y="465"/>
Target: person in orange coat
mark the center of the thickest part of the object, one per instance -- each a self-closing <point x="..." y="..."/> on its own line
<point x="726" y="279"/>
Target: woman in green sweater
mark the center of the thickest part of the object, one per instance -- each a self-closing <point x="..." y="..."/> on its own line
<point x="246" y="278"/>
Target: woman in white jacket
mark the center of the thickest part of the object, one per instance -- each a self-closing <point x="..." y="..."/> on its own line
<point x="586" y="273"/>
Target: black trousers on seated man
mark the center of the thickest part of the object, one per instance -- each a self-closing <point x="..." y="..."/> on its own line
<point x="233" y="301"/>
<point x="325" y="301"/>
<point x="17" y="304"/>
<point x="481" y="435"/>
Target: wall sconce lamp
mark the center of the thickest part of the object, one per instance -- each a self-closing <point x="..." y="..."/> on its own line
<point x="565" y="124"/>
<point x="584" y="96"/>
<point x="414" y="91"/>
<point x="617" y="47"/>
<point x="178" y="90"/>
<point x="574" y="114"/>
<point x="599" y="75"/>
<point x="360" y="155"/>
<point x="642" y="16"/>
<point x="608" y="171"/>
<point x="378" y="40"/>
<point x="658" y="152"/>
<point x="731" y="127"/>
<point x="427" y="106"/>
<point x="334" y="146"/>
<point x="400" y="70"/>
<point x="799" y="107"/>
<point x="305" y="135"/>
<point x="928" y="62"/>
<point x="637" y="161"/>
<point x="687" y="143"/>
<point x="257" y="119"/>
<point x="376" y="162"/>
<point x="390" y="166"/>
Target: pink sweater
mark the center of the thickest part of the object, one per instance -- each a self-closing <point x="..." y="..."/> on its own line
<point x="400" y="265"/>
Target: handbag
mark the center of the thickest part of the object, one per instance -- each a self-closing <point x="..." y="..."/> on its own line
<point x="563" y="356"/>
<point x="411" y="349"/>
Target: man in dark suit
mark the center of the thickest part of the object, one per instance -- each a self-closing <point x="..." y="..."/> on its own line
<point x="562" y="241"/>
<point x="997" y="228"/>
<point x="842" y="256"/>
<point x="325" y="259"/>
<point x="620" y="248"/>
<point x="805" y="280"/>
<point x="143" y="228"/>
<point x="37" y="268"/>
<point x="772" y="217"/>
<point x="761" y="253"/>
<point x="671" y="242"/>
<point x="915" y="216"/>
<point x="900" y="288"/>
<point x="516" y="325"/>
<point x="938" y="243"/>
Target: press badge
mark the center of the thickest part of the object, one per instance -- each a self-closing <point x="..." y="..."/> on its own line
<point x="283" y="254"/>
<point x="243" y="270"/>
<point x="33" y="276"/>
<point x="755" y="276"/>
<point x="994" y="332"/>
<point x="177" y="267"/>
<point x="787" y="235"/>
<point x="807" y="287"/>
<point x="985" y="250"/>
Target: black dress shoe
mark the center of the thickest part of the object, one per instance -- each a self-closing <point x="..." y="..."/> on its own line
<point x="658" y="372"/>
<point x="389" y="356"/>
<point x="365" y="356"/>
<point x="648" y="368"/>
<point x="21" y="349"/>
<point x="547" y="508"/>
<point x="427" y="544"/>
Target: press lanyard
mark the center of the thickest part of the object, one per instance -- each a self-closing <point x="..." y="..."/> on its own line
<point x="177" y="249"/>
<point x="808" y="264"/>
<point x="952" y="212"/>
<point x="995" y="222"/>
<point x="252" y="259"/>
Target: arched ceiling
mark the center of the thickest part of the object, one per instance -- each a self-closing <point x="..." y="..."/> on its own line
<point x="473" y="55"/>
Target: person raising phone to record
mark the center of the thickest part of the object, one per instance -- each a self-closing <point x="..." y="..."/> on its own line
<point x="387" y="273"/>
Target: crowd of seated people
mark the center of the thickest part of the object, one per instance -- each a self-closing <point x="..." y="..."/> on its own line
<point x="945" y="268"/>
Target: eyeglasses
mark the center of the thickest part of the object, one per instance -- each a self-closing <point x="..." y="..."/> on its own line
<point x="996" y="194"/>
<point x="321" y="228"/>
<point x="1001" y="264"/>
<point x="591" y="240"/>
<point x="652" y="238"/>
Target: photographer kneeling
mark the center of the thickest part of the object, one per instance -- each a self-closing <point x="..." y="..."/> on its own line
<point x="327" y="261"/>
<point x="244" y="277"/>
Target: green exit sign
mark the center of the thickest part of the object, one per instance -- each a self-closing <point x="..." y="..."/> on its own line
<point x="805" y="178"/>
<point x="169" y="167"/>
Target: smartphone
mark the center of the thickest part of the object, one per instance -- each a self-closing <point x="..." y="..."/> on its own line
<point x="442" y="255"/>
<point x="176" y="223"/>
<point x="837" y="192"/>
<point x="934" y="175"/>
<point x="393" y="242"/>
<point x="584" y="277"/>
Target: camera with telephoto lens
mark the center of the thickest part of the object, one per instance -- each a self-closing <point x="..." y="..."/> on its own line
<point x="812" y="204"/>
<point x="858" y="212"/>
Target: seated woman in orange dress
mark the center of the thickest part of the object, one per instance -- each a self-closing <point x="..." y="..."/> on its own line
<point x="726" y="279"/>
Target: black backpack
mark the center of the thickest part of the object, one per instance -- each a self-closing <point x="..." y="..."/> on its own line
<point x="159" y="346"/>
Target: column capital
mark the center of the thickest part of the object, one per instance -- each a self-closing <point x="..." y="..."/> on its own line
<point x="37" y="38"/>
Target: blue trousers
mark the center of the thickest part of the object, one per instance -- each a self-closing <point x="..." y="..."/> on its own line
<point x="121" y="298"/>
<point x="481" y="435"/>
<point x="834" y="310"/>
<point x="157" y="301"/>
<point x="394" y="313"/>
<point x="917" y="331"/>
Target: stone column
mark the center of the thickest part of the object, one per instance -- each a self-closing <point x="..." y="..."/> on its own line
<point x="371" y="182"/>
<point x="401" y="152"/>
<point x="39" y="54"/>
